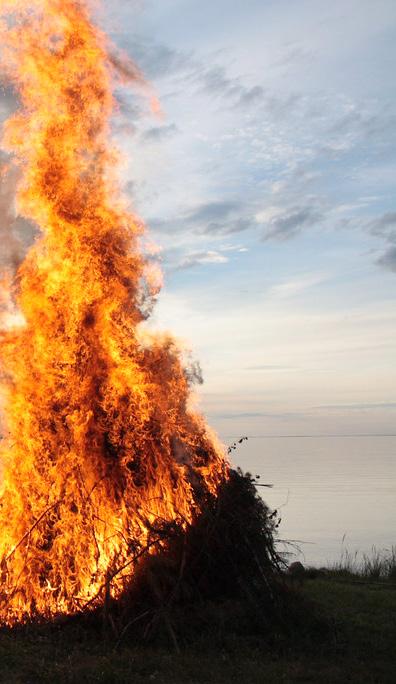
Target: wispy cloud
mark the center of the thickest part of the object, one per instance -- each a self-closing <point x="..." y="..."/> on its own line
<point x="270" y="367"/>
<point x="220" y="217"/>
<point x="155" y="59"/>
<point x="384" y="226"/>
<point x="295" y="286"/>
<point x="388" y="259"/>
<point x="159" y="133"/>
<point x="358" y="407"/>
<point x="216" y="81"/>
<point x="255" y="414"/>
<point x="285" y="223"/>
<point x="199" y="259"/>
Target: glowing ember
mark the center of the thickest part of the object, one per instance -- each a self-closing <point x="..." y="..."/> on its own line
<point x="100" y="445"/>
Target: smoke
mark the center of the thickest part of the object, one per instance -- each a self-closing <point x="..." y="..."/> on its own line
<point x="16" y="234"/>
<point x="193" y="372"/>
<point x="12" y="249"/>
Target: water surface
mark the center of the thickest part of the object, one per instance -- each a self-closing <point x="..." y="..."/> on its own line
<point x="332" y="492"/>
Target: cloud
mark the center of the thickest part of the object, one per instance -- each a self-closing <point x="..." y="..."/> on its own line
<point x="215" y="81"/>
<point x="254" y="414"/>
<point x="293" y="287"/>
<point x="212" y="211"/>
<point x="293" y="54"/>
<point x="159" y="133"/>
<point x="283" y="224"/>
<point x="200" y="258"/>
<point x="362" y="122"/>
<point x="228" y="217"/>
<point x="155" y="59"/>
<point x="388" y="259"/>
<point x="241" y="414"/>
<point x="228" y="227"/>
<point x="385" y="227"/>
<point x="158" y="61"/>
<point x="174" y="261"/>
<point x="279" y="106"/>
<point x="358" y="407"/>
<point x="251" y="95"/>
<point x="221" y="217"/>
<point x="270" y="367"/>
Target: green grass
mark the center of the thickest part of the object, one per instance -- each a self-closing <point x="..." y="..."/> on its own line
<point x="380" y="564"/>
<point x="357" y="646"/>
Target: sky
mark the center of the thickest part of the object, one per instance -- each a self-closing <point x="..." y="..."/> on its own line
<point x="268" y="184"/>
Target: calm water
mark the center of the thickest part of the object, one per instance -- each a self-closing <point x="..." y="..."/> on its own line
<point x="328" y="489"/>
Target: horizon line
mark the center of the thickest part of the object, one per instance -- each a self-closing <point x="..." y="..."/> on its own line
<point x="357" y="434"/>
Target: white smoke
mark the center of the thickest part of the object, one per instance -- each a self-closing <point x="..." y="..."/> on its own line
<point x="16" y="234"/>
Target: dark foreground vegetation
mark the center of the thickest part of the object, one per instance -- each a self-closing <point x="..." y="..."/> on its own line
<point x="357" y="646"/>
<point x="218" y="606"/>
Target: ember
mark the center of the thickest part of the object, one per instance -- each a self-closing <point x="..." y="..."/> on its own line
<point x="101" y="448"/>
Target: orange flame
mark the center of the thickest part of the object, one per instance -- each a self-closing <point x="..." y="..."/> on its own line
<point x="100" y="443"/>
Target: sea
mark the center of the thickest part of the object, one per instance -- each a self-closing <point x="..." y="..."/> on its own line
<point x="334" y="494"/>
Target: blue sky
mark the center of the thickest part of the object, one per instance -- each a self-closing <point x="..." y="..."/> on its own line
<point x="269" y="186"/>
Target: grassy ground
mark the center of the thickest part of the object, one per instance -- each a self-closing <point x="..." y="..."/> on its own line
<point x="357" y="646"/>
<point x="380" y="564"/>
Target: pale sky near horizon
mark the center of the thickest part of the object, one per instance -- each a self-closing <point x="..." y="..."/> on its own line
<point x="269" y="186"/>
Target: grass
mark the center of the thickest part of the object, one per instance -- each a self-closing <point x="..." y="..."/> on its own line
<point x="357" y="645"/>
<point x="379" y="565"/>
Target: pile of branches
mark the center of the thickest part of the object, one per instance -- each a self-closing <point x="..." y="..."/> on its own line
<point x="223" y="568"/>
<point x="217" y="578"/>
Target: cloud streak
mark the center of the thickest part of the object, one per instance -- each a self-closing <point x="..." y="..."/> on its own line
<point x="358" y="407"/>
<point x="286" y="223"/>
<point x="199" y="259"/>
<point x="295" y="286"/>
<point x="157" y="134"/>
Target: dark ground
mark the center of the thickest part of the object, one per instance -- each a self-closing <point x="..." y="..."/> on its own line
<point x="358" y="645"/>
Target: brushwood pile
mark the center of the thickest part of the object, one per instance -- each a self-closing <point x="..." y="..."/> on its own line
<point x="224" y="566"/>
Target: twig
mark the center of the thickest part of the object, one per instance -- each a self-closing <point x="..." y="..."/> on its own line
<point x="39" y="519"/>
<point x="116" y="572"/>
<point x="128" y="625"/>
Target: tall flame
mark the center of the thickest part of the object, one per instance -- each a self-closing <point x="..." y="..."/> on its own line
<point x="100" y="443"/>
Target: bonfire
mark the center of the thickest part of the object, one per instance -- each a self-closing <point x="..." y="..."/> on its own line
<point x="102" y="449"/>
